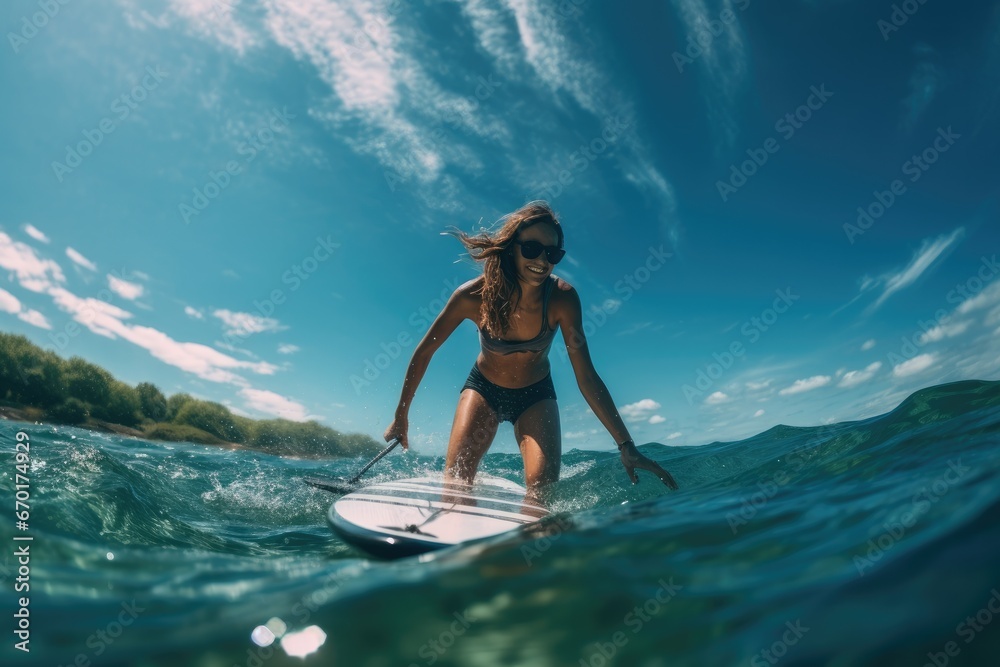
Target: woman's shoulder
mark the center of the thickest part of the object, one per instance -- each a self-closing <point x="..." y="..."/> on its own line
<point x="470" y="287"/>
<point x="561" y="287"/>
<point x="563" y="296"/>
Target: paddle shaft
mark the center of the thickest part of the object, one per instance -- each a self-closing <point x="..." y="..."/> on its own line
<point x="375" y="460"/>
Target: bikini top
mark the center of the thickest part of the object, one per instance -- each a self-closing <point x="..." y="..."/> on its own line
<point x="539" y="343"/>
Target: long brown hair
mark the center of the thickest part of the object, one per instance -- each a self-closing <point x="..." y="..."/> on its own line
<point x="501" y="290"/>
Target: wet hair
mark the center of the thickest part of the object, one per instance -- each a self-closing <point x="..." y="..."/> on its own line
<point x="501" y="290"/>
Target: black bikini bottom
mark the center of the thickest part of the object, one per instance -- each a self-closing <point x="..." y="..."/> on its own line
<point x="509" y="403"/>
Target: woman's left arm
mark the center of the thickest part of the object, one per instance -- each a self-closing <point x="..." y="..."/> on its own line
<point x="596" y="392"/>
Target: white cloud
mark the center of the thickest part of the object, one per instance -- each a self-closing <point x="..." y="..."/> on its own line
<point x="986" y="298"/>
<point x="274" y="404"/>
<point x="807" y="384"/>
<point x="716" y="398"/>
<point x="193" y="312"/>
<point x="34" y="318"/>
<point x="757" y="386"/>
<point x="943" y="331"/>
<point x="245" y="324"/>
<point x="80" y="259"/>
<point x="758" y="413"/>
<point x="854" y="378"/>
<point x="639" y="411"/>
<point x="674" y="435"/>
<point x="11" y="304"/>
<point x="868" y="344"/>
<point x="722" y="59"/>
<point x="35" y="233"/>
<point x="217" y="19"/>
<point x="107" y="320"/>
<point x="287" y="348"/>
<point x="31" y="271"/>
<point x="124" y="288"/>
<point x="913" y="366"/>
<point x="929" y="252"/>
<point x="657" y="419"/>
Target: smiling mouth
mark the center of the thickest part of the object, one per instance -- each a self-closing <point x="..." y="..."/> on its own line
<point x="536" y="270"/>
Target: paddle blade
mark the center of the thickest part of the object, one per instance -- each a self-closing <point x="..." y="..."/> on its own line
<point x="331" y="484"/>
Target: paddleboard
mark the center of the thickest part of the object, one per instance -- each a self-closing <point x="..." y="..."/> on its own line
<point x="411" y="516"/>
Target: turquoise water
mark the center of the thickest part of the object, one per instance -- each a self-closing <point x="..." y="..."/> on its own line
<point x="870" y="542"/>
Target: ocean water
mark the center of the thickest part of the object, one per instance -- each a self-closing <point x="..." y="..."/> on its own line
<point x="870" y="542"/>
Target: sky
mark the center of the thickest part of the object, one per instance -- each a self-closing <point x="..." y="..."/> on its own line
<point x="772" y="216"/>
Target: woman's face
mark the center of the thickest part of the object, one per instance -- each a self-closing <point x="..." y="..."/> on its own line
<point x="534" y="271"/>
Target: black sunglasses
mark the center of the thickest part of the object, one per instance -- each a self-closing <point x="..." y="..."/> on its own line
<point x="532" y="249"/>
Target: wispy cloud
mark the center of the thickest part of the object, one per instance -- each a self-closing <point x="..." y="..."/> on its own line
<point x="922" y="260"/>
<point x="80" y="260"/>
<point x="925" y="82"/>
<point x="723" y="60"/>
<point x="125" y="289"/>
<point x="854" y="378"/>
<point x="287" y="348"/>
<point x="808" y="384"/>
<point x="913" y="366"/>
<point x="218" y="19"/>
<point x="274" y="404"/>
<point x="11" y="304"/>
<point x="31" y="271"/>
<point x="35" y="233"/>
<point x="245" y="324"/>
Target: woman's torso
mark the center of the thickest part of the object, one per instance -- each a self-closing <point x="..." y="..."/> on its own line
<point x="525" y="367"/>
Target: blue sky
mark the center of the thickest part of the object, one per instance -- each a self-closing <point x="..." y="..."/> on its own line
<point x="243" y="199"/>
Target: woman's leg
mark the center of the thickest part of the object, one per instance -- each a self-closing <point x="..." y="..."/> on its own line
<point x="472" y="433"/>
<point x="540" y="439"/>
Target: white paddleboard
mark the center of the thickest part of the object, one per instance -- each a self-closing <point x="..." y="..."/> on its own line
<point x="405" y="517"/>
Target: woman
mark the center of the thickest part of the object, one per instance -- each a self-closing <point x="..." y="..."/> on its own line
<point x="517" y="305"/>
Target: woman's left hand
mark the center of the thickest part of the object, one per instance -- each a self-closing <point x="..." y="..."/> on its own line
<point x="632" y="459"/>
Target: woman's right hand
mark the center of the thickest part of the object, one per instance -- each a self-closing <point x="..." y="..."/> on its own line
<point x="397" y="430"/>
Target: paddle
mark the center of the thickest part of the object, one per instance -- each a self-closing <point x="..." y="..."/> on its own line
<point x="341" y="485"/>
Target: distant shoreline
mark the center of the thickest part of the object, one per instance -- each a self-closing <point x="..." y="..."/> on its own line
<point x="34" y="416"/>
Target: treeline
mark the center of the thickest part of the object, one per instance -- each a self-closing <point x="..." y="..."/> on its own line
<point x="77" y="392"/>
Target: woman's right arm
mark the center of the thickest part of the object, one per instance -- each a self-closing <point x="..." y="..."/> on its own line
<point x="461" y="305"/>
